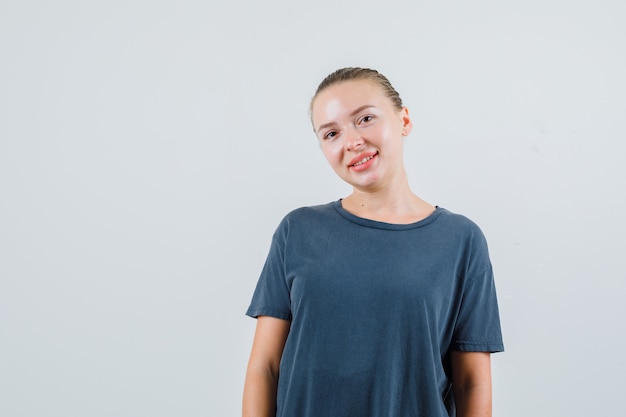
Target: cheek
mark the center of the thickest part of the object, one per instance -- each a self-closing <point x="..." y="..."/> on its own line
<point x="332" y="152"/>
<point x="387" y="132"/>
<point x="390" y="136"/>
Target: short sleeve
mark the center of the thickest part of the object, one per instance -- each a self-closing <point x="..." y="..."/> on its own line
<point x="271" y="295"/>
<point x="477" y="327"/>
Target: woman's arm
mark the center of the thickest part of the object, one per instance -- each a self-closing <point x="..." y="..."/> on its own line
<point x="259" y="392"/>
<point x="471" y="382"/>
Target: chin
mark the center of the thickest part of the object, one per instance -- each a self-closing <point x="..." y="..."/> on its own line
<point x="366" y="185"/>
<point x="363" y="181"/>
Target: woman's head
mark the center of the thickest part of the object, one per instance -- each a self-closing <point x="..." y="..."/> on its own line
<point x="360" y="122"/>
<point x="355" y="74"/>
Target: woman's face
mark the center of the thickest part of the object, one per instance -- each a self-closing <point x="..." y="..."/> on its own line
<point x="360" y="132"/>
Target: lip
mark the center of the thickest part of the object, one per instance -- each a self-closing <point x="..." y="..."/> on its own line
<point x="365" y="165"/>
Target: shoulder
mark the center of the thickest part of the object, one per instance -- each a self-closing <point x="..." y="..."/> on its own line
<point x="307" y="218"/>
<point x="460" y="226"/>
<point x="456" y="220"/>
<point x="468" y="243"/>
<point x="310" y="214"/>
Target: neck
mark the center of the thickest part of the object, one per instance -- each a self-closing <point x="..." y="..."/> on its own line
<point x="397" y="204"/>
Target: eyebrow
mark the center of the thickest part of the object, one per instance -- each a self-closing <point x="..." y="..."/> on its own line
<point x="352" y="114"/>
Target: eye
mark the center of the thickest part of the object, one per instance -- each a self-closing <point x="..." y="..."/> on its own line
<point x="366" y="119"/>
<point x="330" y="134"/>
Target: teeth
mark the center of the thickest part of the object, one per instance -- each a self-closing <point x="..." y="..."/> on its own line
<point x="364" y="160"/>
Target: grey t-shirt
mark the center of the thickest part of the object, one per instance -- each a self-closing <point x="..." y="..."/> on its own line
<point x="375" y="309"/>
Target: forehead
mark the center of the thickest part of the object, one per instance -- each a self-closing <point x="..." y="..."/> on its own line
<point x="346" y="96"/>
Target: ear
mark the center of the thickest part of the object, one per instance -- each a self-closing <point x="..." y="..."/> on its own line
<point x="407" y="124"/>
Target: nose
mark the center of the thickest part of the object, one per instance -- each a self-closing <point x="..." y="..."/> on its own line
<point x="353" y="139"/>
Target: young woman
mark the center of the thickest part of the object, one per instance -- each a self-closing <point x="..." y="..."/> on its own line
<point x="378" y="304"/>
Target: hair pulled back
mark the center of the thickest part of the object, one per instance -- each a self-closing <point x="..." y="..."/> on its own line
<point x="356" y="73"/>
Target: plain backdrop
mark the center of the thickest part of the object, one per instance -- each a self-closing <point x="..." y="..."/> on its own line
<point x="148" y="149"/>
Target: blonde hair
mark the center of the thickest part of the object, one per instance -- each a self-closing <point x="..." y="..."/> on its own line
<point x="356" y="73"/>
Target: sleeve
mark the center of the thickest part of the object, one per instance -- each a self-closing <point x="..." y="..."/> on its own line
<point x="272" y="295"/>
<point x="477" y="327"/>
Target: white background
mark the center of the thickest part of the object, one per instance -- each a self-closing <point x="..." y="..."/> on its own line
<point x="148" y="149"/>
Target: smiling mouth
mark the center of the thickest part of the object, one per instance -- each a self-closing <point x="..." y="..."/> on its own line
<point x="364" y="160"/>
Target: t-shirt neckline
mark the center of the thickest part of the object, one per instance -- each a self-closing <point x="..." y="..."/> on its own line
<point x="386" y="226"/>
